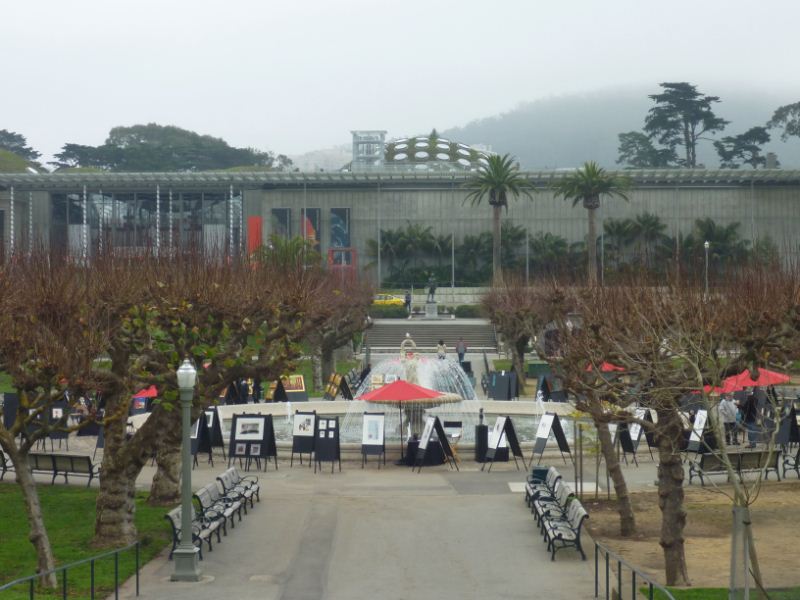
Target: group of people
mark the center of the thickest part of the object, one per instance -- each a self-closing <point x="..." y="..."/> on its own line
<point x="461" y="350"/>
<point x="739" y="416"/>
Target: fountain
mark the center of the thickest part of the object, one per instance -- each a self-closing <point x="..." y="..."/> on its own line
<point x="445" y="376"/>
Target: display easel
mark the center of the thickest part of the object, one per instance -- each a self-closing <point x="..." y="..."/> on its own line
<point x="303" y="428"/>
<point x="373" y="438"/>
<point x="326" y="445"/>
<point x="504" y="434"/>
<point x="550" y="423"/>
<point x="433" y="426"/>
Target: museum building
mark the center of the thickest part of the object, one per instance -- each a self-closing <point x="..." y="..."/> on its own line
<point x="386" y="186"/>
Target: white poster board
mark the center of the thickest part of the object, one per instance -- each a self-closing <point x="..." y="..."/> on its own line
<point x="545" y="424"/>
<point x="303" y="425"/>
<point x="636" y="428"/>
<point x="612" y="429"/>
<point x="426" y="433"/>
<point x="699" y="426"/>
<point x="498" y="431"/>
<point x="249" y="429"/>
<point x="372" y="433"/>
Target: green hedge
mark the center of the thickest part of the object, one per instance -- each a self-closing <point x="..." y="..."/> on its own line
<point x="469" y="311"/>
<point x="388" y="312"/>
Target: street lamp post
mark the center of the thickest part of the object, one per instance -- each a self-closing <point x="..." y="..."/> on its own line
<point x="706" y="245"/>
<point x="186" y="555"/>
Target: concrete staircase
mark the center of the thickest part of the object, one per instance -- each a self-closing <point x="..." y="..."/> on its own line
<point x="386" y="334"/>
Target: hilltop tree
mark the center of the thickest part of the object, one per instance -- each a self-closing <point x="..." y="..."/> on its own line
<point x="638" y="151"/>
<point x="154" y="147"/>
<point x="743" y="149"/>
<point x="682" y="116"/>
<point x="16" y="143"/>
<point x="788" y="118"/>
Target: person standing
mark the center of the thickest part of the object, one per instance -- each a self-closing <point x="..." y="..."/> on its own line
<point x="441" y="350"/>
<point x="461" y="349"/>
<point x="408" y="302"/>
<point x="727" y="414"/>
<point x="750" y="416"/>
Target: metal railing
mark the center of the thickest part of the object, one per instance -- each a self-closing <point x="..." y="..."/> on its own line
<point x="32" y="579"/>
<point x="637" y="578"/>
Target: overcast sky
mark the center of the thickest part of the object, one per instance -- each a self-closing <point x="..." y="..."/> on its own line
<point x="298" y="75"/>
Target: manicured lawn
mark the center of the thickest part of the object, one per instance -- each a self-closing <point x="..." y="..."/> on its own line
<point x="69" y="516"/>
<point x="304" y="369"/>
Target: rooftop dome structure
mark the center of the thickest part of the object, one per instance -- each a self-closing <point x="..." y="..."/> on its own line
<point x="433" y="153"/>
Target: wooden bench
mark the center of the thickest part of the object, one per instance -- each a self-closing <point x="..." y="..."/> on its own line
<point x="202" y="529"/>
<point x="710" y="463"/>
<point x="789" y="462"/>
<point x="63" y="464"/>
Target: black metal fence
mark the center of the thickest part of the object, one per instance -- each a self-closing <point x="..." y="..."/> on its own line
<point x="630" y="582"/>
<point x="62" y="574"/>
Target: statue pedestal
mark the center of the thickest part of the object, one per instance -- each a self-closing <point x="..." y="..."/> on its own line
<point x="431" y="312"/>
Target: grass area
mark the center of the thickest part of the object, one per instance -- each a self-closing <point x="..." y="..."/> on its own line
<point x="5" y="383"/>
<point x="720" y="594"/>
<point x="304" y="369"/>
<point x="69" y="516"/>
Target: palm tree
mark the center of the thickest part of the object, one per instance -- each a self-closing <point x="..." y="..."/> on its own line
<point x="588" y="184"/>
<point x="648" y="230"/>
<point x="618" y="234"/>
<point x="495" y="181"/>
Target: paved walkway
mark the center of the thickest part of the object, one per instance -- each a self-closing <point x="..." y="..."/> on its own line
<point x="388" y="534"/>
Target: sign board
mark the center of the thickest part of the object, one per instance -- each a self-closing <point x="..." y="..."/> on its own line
<point x="59" y="412"/>
<point x="503" y="435"/>
<point x="252" y="438"/>
<point x="635" y="429"/>
<point x="303" y="428"/>
<point x="291" y="389"/>
<point x="550" y="423"/>
<point x="434" y="426"/>
<point x="698" y="427"/>
<point x="201" y="439"/>
<point x="326" y="445"/>
<point x="215" y="429"/>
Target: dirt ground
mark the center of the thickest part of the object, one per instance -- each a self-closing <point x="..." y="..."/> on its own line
<point x="776" y="529"/>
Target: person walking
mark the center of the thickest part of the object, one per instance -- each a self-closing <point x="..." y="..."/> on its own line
<point x="461" y="349"/>
<point x="727" y="414"/>
<point x="408" y="302"/>
<point x="441" y="350"/>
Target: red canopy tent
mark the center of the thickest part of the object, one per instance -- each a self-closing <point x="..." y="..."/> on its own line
<point x="743" y="380"/>
<point x="605" y="367"/>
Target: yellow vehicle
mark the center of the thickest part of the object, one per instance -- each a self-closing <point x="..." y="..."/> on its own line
<point x="388" y="300"/>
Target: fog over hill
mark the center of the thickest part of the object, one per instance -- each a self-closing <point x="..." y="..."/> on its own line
<point x="566" y="131"/>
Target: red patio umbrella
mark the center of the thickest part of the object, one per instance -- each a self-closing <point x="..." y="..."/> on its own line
<point x="765" y="378"/>
<point x="402" y="393"/>
<point x="605" y="367"/>
<point x="149" y="392"/>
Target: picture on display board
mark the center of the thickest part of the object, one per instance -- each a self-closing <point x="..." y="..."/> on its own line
<point x="372" y="433"/>
<point x="294" y="383"/>
<point x="331" y="433"/>
<point x="210" y="418"/>
<point x="249" y="429"/>
<point x="545" y="424"/>
<point x="698" y="426"/>
<point x="635" y="428"/>
<point x="426" y="433"/>
<point x="303" y="425"/>
<point x="322" y="433"/>
<point x="240" y="450"/>
<point x="58" y="412"/>
<point x="255" y="449"/>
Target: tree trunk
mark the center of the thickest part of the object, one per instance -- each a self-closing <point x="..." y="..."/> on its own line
<point x="45" y="561"/>
<point x="122" y="462"/>
<point x="497" y="269"/>
<point x="165" y="489"/>
<point x="627" y="521"/>
<point x="670" y="496"/>
<point x="591" y="247"/>
<point x="328" y="363"/>
<point x="518" y="359"/>
<point x="316" y="369"/>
